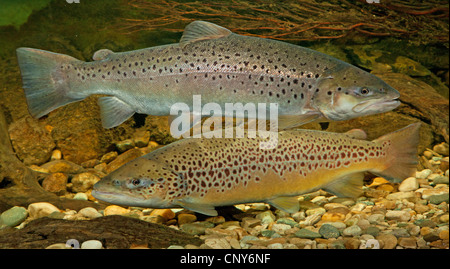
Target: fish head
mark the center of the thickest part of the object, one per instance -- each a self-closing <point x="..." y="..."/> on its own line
<point x="140" y="182"/>
<point x="352" y="92"/>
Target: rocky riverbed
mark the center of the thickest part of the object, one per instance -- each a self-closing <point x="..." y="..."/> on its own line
<point x="409" y="215"/>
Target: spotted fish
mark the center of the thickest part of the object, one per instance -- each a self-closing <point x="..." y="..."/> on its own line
<point x="200" y="174"/>
<point x="213" y="62"/>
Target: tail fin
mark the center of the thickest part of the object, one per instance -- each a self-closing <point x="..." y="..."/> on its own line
<point x="44" y="80"/>
<point x="402" y="154"/>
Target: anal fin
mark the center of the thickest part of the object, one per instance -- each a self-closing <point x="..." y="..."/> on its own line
<point x="114" y="111"/>
<point x="347" y="186"/>
<point x="289" y="204"/>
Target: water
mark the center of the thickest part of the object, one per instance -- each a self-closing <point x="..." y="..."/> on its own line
<point x="406" y="49"/>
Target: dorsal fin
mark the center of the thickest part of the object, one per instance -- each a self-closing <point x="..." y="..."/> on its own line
<point x="202" y="30"/>
<point x="101" y="54"/>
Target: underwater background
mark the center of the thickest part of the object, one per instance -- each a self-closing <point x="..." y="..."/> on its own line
<point x="405" y="43"/>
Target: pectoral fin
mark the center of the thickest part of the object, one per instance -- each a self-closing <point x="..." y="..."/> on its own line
<point x="347" y="186"/>
<point x="199" y="208"/>
<point x="114" y="111"/>
<point x="287" y="203"/>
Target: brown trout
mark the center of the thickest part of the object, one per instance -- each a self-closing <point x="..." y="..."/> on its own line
<point x="200" y="174"/>
<point x="213" y="62"/>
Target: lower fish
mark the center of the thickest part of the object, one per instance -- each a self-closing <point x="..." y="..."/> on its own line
<point x="200" y="174"/>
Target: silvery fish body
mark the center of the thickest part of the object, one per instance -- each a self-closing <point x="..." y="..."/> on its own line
<point x="200" y="174"/>
<point x="213" y="62"/>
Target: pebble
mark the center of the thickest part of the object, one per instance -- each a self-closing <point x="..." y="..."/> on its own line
<point x="195" y="228"/>
<point x="13" y="216"/>
<point x="407" y="242"/>
<point x="186" y="218"/>
<point x="125" y="145"/>
<point x="55" y="183"/>
<point x="84" y="182"/>
<point x="41" y="209"/>
<point x="305" y="233"/>
<point x="91" y="244"/>
<point x="81" y="196"/>
<point x="398" y="215"/>
<point x="280" y="228"/>
<point x="329" y="231"/>
<point x="388" y="241"/>
<point x="90" y="212"/>
<point x="409" y="184"/>
<point x="62" y="166"/>
<point x="58" y="246"/>
<point x="410" y="196"/>
<point x="375" y="218"/>
<point x="441" y="149"/>
<point x="115" y="210"/>
<point x="109" y="157"/>
<point x="217" y="243"/>
<point x="424" y="173"/>
<point x="266" y="217"/>
<point x="167" y="214"/>
<point x="354" y="230"/>
<point x="56" y="155"/>
<point x="352" y="243"/>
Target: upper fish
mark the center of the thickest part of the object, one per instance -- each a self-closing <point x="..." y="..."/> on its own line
<point x="200" y="174"/>
<point x="213" y="62"/>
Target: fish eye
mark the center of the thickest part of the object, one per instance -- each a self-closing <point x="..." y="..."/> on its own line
<point x="136" y="182"/>
<point x="364" y="91"/>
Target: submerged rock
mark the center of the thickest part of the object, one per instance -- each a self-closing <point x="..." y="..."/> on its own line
<point x="31" y="142"/>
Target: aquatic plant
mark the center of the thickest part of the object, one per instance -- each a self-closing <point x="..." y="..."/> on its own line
<point x="302" y="20"/>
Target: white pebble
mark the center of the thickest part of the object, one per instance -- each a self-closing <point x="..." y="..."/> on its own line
<point x="409" y="184"/>
<point x="275" y="246"/>
<point x="80" y="196"/>
<point x="40" y="210"/>
<point x="424" y="173"/>
<point x="90" y="212"/>
<point x="91" y="244"/>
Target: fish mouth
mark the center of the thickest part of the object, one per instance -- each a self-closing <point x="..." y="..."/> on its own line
<point x="376" y="106"/>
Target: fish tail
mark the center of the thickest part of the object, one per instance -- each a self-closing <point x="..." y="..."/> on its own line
<point x="44" y="81"/>
<point x="402" y="153"/>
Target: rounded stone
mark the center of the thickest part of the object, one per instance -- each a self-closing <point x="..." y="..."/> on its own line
<point x="84" y="182"/>
<point x="305" y="233"/>
<point x="81" y="196"/>
<point x="329" y="231"/>
<point x="186" y="218"/>
<point x="55" y="183"/>
<point x="115" y="210"/>
<point x="388" y="241"/>
<point x="91" y="244"/>
<point x="90" y="212"/>
<point x="353" y="230"/>
<point x="13" y="216"/>
<point x="409" y="184"/>
<point x="42" y="209"/>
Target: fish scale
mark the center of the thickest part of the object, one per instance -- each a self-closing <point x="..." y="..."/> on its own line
<point x="200" y="174"/>
<point x="213" y="62"/>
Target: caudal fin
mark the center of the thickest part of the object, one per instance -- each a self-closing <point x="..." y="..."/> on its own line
<point x="44" y="81"/>
<point x="402" y="154"/>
